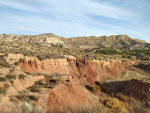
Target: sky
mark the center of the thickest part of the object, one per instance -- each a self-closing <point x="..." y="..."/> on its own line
<point x="73" y="18"/>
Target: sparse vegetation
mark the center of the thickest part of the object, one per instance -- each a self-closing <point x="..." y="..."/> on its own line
<point x="81" y="109"/>
<point x="2" y="79"/>
<point x="125" y="98"/>
<point x="10" y="76"/>
<point x="125" y="50"/>
<point x="6" y="85"/>
<point x="142" y="54"/>
<point x="114" y="103"/>
<point x="22" y="76"/>
<point x="40" y="82"/>
<point x="16" y="63"/>
<point x="27" y="98"/>
<point x="35" y="88"/>
<point x="12" y="70"/>
<point x="94" y="88"/>
<point x="3" y="90"/>
<point x="3" y="62"/>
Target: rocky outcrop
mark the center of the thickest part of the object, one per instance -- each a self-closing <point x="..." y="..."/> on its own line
<point x="80" y="69"/>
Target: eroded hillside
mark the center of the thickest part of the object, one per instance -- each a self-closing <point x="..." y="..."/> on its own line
<point x="50" y="77"/>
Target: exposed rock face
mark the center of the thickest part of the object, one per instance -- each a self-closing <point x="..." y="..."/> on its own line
<point x="139" y="90"/>
<point x="46" y="66"/>
<point x="80" y="69"/>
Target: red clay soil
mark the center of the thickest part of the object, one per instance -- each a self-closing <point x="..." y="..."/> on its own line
<point x="80" y="69"/>
<point x="70" y="95"/>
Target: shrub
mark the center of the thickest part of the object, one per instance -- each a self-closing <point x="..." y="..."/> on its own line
<point x="25" y="108"/>
<point x="9" y="76"/>
<point x="12" y="70"/>
<point x="40" y="82"/>
<point x="22" y="76"/>
<point x="21" y="60"/>
<point x="125" y="98"/>
<point x="28" y="73"/>
<point x="3" y="90"/>
<point x="37" y="109"/>
<point x="6" y="85"/>
<point x="11" y="81"/>
<point x="24" y="97"/>
<point x="3" y="62"/>
<point x="2" y="79"/>
<point x="52" y="83"/>
<point x="137" y="107"/>
<point x="94" y="88"/>
<point x="114" y="103"/>
<point x="35" y="88"/>
<point x="34" y="98"/>
<point x="16" y="63"/>
<point x="108" y="51"/>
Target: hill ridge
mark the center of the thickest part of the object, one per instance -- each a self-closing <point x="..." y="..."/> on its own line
<point x="84" y="42"/>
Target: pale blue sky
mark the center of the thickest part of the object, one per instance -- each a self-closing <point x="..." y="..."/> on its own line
<point x="71" y="18"/>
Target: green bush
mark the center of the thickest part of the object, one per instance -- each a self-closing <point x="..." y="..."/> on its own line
<point x="108" y="51"/>
<point x="35" y="88"/>
<point x="2" y="79"/>
<point x="6" y="85"/>
<point x="16" y="63"/>
<point x="3" y="90"/>
<point x="12" y="70"/>
<point x="9" y="76"/>
<point x="3" y="62"/>
<point x="34" y="98"/>
<point x="40" y="82"/>
<point x="22" y="76"/>
<point x="24" y="97"/>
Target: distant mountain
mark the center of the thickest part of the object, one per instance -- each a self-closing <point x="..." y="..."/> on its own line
<point x="114" y="41"/>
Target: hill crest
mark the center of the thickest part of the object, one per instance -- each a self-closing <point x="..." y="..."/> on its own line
<point x="115" y="41"/>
